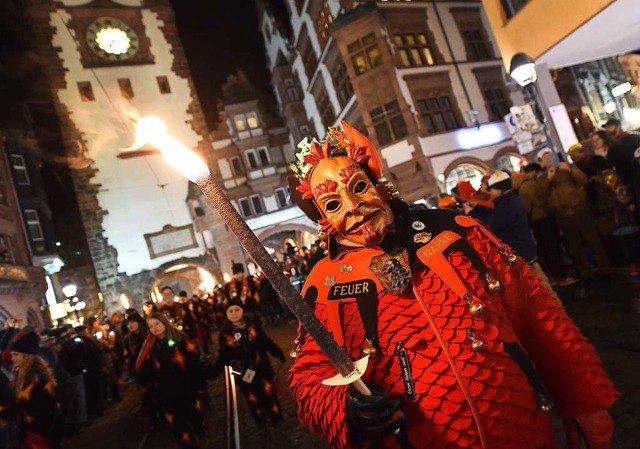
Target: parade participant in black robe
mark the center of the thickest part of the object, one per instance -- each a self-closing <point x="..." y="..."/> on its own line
<point x="244" y="346"/>
<point x="175" y="373"/>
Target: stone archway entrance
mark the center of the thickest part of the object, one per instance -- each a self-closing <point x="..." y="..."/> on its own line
<point x="189" y="277"/>
<point x="275" y="239"/>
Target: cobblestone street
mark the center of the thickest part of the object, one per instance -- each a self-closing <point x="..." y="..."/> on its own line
<point x="607" y="312"/>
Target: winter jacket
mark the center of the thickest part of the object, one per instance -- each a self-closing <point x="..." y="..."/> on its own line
<point x="509" y="222"/>
<point x="533" y="201"/>
<point x="566" y="192"/>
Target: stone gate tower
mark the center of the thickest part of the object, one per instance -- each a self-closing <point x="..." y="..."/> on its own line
<point x="106" y="60"/>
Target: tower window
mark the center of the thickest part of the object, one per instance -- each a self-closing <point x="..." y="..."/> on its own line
<point x="125" y="88"/>
<point x="34" y="228"/>
<point x="20" y="170"/>
<point x="86" y="91"/>
<point x="163" y="84"/>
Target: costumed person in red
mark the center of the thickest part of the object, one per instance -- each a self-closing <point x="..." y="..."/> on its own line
<point x="468" y="349"/>
<point x="34" y="405"/>
<point x="172" y="366"/>
<point x="244" y="346"/>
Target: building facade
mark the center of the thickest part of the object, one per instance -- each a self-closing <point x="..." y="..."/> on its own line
<point x="251" y="152"/>
<point x="108" y="62"/>
<point x="585" y="44"/>
<point x="423" y="79"/>
<point x="22" y="285"/>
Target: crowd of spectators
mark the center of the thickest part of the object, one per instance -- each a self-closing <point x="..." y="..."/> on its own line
<point x="585" y="207"/>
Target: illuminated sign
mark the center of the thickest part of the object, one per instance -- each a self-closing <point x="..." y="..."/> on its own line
<point x="274" y="218"/>
<point x="482" y="136"/>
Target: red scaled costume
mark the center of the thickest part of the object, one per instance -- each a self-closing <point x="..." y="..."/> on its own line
<point x="484" y="361"/>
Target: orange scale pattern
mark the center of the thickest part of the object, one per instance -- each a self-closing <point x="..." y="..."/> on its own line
<point x="491" y="395"/>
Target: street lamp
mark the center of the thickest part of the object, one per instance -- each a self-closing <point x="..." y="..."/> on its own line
<point x="70" y="290"/>
<point x="523" y="71"/>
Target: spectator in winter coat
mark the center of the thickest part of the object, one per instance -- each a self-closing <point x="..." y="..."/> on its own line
<point x="543" y="225"/>
<point x="34" y="403"/>
<point x="508" y="219"/>
<point x="563" y="189"/>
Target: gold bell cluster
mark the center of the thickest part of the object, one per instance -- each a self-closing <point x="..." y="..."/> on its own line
<point x="476" y="343"/>
<point x="509" y="256"/>
<point x="475" y="307"/>
<point x="370" y="350"/>
<point x="492" y="284"/>
<point x="295" y="352"/>
<point x="544" y="405"/>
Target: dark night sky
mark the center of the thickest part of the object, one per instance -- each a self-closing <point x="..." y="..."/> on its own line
<point x="220" y="37"/>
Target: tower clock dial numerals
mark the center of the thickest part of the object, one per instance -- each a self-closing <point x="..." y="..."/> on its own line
<point x="112" y="39"/>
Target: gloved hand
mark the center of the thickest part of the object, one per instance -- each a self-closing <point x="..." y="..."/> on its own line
<point x="596" y="429"/>
<point x="375" y="417"/>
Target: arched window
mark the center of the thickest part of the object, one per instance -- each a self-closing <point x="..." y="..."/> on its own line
<point x="510" y="162"/>
<point x="462" y="172"/>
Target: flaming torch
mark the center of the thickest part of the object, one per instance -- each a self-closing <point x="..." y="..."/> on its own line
<point x="153" y="131"/>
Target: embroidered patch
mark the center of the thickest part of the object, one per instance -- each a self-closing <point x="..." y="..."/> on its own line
<point x="354" y="289"/>
<point x="418" y="225"/>
<point x="392" y="269"/>
<point x="422" y="237"/>
<point x="329" y="281"/>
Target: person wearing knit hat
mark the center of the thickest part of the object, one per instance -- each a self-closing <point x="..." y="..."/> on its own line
<point x="25" y="343"/>
<point x="34" y="402"/>
<point x="244" y="346"/>
<point x="243" y="287"/>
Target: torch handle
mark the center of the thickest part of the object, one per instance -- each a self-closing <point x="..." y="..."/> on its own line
<point x="289" y="295"/>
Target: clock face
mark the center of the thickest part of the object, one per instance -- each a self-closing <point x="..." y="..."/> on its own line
<point x="112" y="39"/>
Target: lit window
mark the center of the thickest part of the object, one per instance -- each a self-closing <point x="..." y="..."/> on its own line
<point x="323" y="20"/>
<point x="464" y="172"/>
<point x="240" y="122"/>
<point x="511" y="163"/>
<point x="20" y="170"/>
<point x="34" y="228"/>
<point x="414" y="49"/>
<point x="365" y="54"/>
<point x="252" y="120"/>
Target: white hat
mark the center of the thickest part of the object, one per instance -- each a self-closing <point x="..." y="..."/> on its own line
<point x="499" y="180"/>
<point x="542" y="153"/>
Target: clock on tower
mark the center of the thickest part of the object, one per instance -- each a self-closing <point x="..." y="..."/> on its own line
<point x="112" y="39"/>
